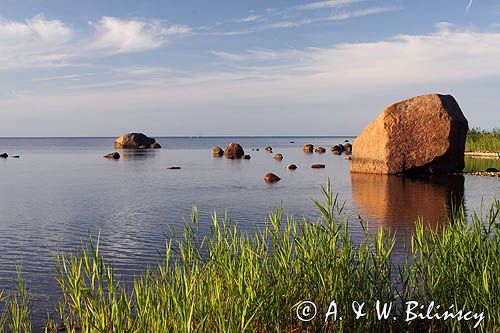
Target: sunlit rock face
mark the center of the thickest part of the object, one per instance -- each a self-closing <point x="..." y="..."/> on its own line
<point x="421" y="135"/>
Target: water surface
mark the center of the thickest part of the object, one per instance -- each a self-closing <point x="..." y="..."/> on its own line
<point x="61" y="189"/>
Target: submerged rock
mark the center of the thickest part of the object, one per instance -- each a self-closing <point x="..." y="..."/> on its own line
<point x="318" y="166"/>
<point x="135" y="141"/>
<point x="421" y="135"/>
<point x="271" y="178"/>
<point x="115" y="156"/>
<point x="234" y="151"/>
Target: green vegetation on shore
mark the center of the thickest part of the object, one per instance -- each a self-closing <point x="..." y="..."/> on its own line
<point x="483" y="141"/>
<point x="230" y="281"/>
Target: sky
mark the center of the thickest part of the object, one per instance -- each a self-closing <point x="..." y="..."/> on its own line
<point x="240" y="68"/>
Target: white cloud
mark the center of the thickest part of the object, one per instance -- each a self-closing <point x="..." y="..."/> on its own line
<point x="125" y="36"/>
<point x="249" y="18"/>
<point x="328" y="4"/>
<point x="34" y="42"/>
<point x="43" y="43"/>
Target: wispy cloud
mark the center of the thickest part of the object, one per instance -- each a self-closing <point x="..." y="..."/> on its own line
<point x="126" y="36"/>
<point x="249" y="18"/>
<point x="328" y="4"/>
<point x="44" y="43"/>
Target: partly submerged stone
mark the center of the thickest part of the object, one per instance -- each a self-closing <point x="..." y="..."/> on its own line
<point x="135" y="141"/>
<point x="271" y="178"/>
<point x="234" y="151"/>
<point x="421" y="135"/>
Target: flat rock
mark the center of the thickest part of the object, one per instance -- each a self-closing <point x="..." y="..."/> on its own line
<point x="318" y="166"/>
<point x="115" y="156"/>
<point x="421" y="135"/>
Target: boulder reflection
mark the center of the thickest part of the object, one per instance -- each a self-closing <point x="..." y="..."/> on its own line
<point x="137" y="154"/>
<point x="397" y="202"/>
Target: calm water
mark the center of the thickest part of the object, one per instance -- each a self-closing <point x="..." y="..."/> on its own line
<point x="62" y="189"/>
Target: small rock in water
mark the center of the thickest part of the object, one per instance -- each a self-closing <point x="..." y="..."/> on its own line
<point x="155" y="145"/>
<point x="308" y="148"/>
<point x="246" y="157"/>
<point x="174" y="168"/>
<point x="217" y="151"/>
<point x="318" y="166"/>
<point x="346" y="140"/>
<point x="234" y="151"/>
<point x="16" y="156"/>
<point x="114" y="155"/>
<point x="349" y="157"/>
<point x="256" y="149"/>
<point x="278" y="157"/>
<point x="269" y="149"/>
<point x="292" y="141"/>
<point x="271" y="178"/>
<point x="491" y="170"/>
<point x="4" y="155"/>
<point x="291" y="167"/>
<point x="320" y="150"/>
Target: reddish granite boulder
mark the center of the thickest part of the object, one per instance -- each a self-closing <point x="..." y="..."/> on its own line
<point x="234" y="151"/>
<point x="421" y="135"/>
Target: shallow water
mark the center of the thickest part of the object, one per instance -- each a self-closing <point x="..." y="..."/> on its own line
<point x="61" y="189"/>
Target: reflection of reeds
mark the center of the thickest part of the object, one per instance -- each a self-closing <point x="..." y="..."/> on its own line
<point x="232" y="281"/>
<point x="483" y="141"/>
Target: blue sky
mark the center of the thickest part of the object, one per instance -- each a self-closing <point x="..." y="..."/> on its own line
<point x="101" y="68"/>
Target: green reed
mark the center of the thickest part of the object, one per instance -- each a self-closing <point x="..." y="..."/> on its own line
<point x="252" y="281"/>
<point x="479" y="140"/>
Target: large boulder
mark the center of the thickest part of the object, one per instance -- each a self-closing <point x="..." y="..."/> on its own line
<point x="421" y="135"/>
<point x="136" y="141"/>
<point x="234" y="151"/>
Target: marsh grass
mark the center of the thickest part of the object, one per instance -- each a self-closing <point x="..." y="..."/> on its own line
<point x="479" y="140"/>
<point x="235" y="281"/>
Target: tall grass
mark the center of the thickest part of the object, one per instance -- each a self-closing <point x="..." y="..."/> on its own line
<point x="235" y="281"/>
<point x="479" y="140"/>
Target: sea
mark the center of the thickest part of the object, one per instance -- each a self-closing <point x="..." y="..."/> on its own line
<point x="61" y="191"/>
